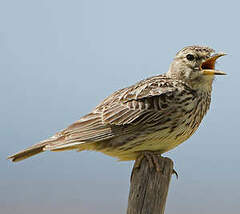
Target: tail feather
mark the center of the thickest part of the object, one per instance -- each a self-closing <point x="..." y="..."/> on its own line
<point x="33" y="150"/>
<point x="55" y="143"/>
<point x="80" y="135"/>
<point x="37" y="148"/>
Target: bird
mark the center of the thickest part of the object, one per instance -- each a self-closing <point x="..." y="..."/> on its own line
<point x="150" y="117"/>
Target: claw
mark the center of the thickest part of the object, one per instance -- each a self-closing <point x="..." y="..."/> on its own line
<point x="175" y="173"/>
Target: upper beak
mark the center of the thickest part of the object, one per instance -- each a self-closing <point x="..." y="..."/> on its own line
<point x="208" y="66"/>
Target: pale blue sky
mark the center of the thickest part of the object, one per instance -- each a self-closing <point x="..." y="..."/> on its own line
<point x="59" y="59"/>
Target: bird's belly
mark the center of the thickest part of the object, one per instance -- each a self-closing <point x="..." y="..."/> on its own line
<point x="161" y="139"/>
<point x="166" y="140"/>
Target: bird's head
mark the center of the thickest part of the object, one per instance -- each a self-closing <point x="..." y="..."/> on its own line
<point x="195" y="65"/>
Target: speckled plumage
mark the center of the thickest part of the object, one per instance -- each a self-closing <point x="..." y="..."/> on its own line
<point x="156" y="114"/>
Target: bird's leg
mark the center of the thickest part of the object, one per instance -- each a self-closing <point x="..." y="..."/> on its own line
<point x="152" y="158"/>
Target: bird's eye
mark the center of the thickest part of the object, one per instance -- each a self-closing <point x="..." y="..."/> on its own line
<point x="190" y="57"/>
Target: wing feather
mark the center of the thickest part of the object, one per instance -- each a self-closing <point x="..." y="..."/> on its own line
<point x="144" y="102"/>
<point x="139" y="102"/>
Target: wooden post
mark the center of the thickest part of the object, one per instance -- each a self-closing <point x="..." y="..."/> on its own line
<point x="149" y="188"/>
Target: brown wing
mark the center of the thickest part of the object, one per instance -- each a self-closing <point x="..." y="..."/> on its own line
<point x="142" y="102"/>
<point x="145" y="101"/>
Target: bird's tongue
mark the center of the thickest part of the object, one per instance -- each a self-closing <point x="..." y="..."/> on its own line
<point x="209" y="63"/>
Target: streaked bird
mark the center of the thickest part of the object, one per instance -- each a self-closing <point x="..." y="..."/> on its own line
<point x="154" y="115"/>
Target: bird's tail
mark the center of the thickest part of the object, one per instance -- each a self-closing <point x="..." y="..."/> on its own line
<point x="26" y="153"/>
<point x="36" y="149"/>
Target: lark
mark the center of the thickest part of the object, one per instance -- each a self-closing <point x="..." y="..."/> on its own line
<point x="153" y="116"/>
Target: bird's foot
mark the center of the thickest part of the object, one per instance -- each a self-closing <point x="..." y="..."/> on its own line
<point x="152" y="158"/>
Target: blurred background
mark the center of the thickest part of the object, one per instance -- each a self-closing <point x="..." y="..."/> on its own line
<point x="59" y="59"/>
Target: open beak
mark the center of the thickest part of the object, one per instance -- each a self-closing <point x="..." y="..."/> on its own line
<point x="208" y="66"/>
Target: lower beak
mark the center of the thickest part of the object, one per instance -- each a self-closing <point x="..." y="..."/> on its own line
<point x="208" y="66"/>
<point x="213" y="72"/>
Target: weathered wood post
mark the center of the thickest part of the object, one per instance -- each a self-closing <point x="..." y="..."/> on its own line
<point x="149" y="187"/>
